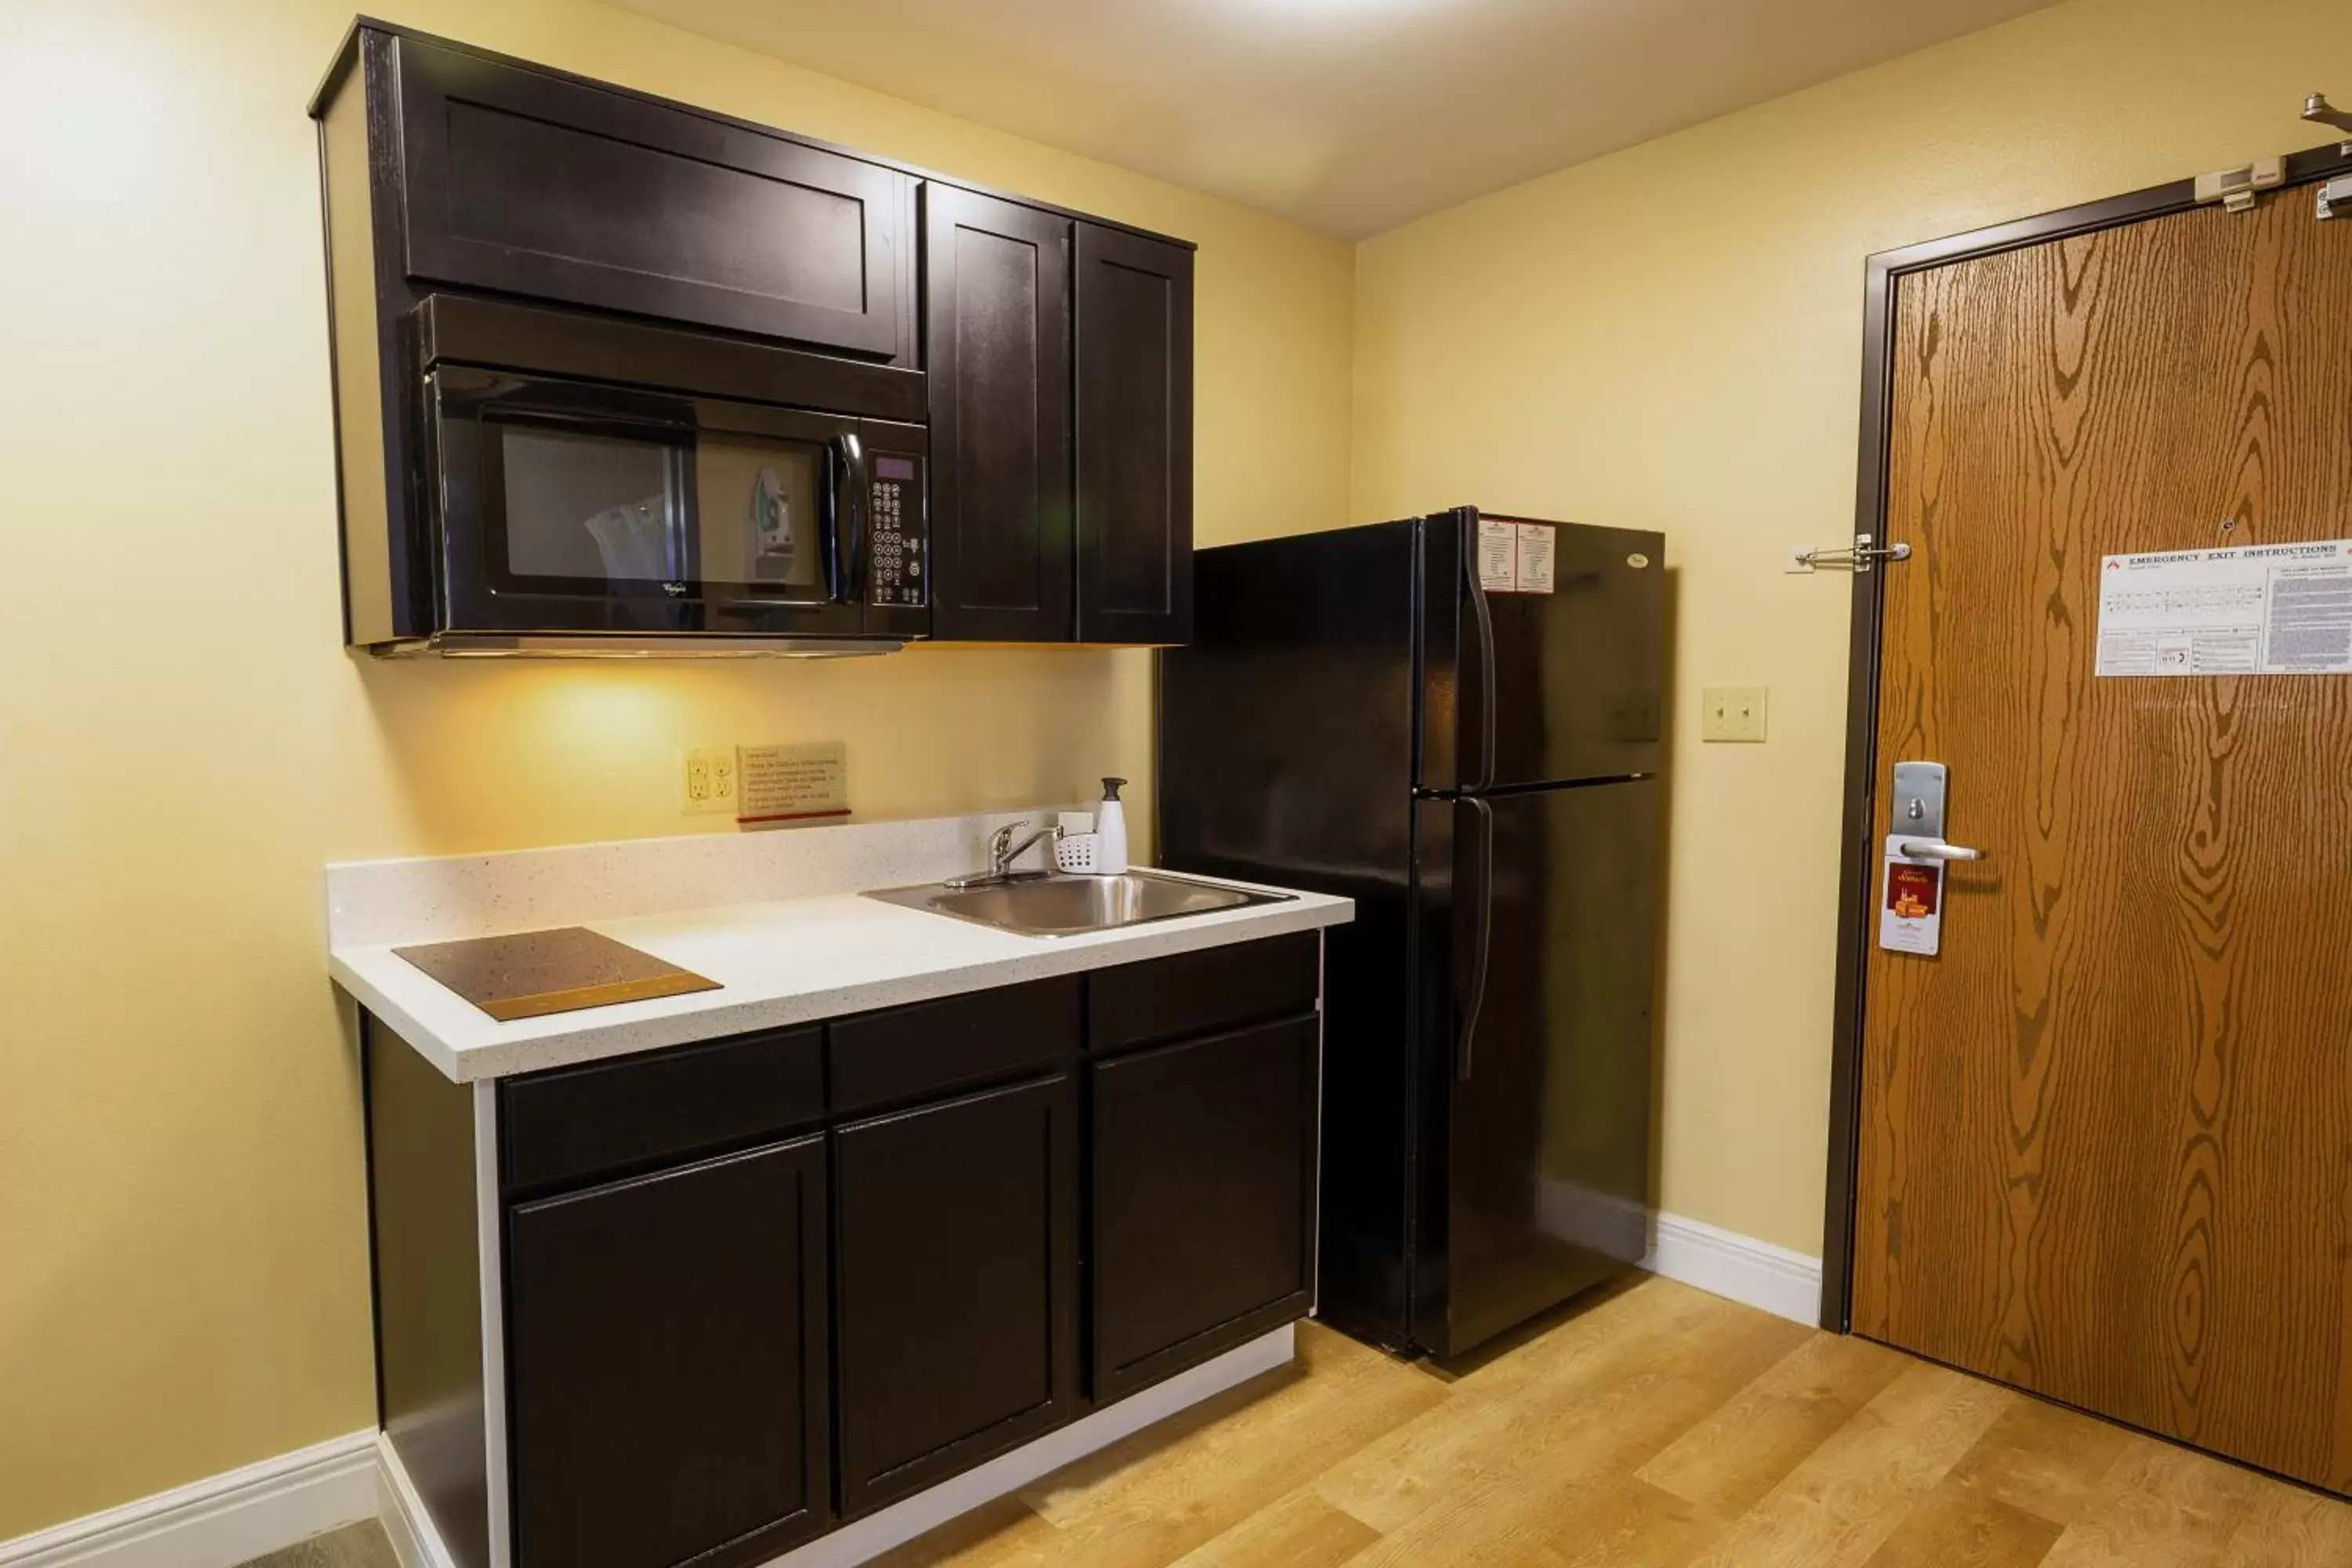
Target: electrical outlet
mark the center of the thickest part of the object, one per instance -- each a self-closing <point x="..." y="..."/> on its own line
<point x="711" y="779"/>
<point x="1731" y="713"/>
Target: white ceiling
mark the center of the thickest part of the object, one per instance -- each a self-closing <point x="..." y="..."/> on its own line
<point x="1352" y="116"/>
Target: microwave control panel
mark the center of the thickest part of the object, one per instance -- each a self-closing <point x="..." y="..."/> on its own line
<point x="895" y="550"/>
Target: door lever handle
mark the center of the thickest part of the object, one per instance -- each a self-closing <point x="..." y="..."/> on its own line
<point x="1936" y="849"/>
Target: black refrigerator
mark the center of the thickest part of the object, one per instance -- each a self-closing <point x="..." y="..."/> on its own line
<point x="1456" y="720"/>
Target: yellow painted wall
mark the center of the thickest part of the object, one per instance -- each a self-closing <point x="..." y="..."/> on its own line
<point x="183" y="743"/>
<point x="1670" y="338"/>
<point x="1667" y="338"/>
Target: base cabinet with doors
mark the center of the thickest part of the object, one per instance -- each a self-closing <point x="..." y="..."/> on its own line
<point x="747" y="1290"/>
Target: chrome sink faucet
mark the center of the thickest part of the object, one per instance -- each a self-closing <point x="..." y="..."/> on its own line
<point x="1002" y="852"/>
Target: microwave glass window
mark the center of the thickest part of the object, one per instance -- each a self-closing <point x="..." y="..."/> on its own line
<point x="588" y="506"/>
<point x="759" y="525"/>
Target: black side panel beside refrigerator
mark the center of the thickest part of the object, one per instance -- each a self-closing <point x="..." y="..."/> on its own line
<point x="1539" y="1116"/>
<point x="1286" y="741"/>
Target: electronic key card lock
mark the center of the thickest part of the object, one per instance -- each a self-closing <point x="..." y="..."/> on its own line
<point x="1911" y="895"/>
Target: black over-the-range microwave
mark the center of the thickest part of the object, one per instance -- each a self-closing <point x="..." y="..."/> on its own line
<point x="586" y="484"/>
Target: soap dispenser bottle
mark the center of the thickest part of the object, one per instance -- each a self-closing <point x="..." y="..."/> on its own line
<point x="1110" y="826"/>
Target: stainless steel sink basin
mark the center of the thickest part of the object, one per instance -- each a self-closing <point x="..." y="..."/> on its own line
<point x="1071" y="906"/>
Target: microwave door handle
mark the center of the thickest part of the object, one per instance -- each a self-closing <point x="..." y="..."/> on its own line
<point x="848" y="517"/>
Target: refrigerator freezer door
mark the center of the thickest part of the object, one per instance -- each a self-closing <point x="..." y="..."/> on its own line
<point x="1539" y="1119"/>
<point x="1577" y="651"/>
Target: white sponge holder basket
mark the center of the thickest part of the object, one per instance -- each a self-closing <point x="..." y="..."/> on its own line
<point x="1075" y="852"/>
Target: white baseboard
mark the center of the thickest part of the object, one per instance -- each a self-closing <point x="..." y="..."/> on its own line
<point x="902" y="1522"/>
<point x="221" y="1520"/>
<point x="416" y="1539"/>
<point x="229" y="1519"/>
<point x="417" y="1543"/>
<point x="1722" y="1262"/>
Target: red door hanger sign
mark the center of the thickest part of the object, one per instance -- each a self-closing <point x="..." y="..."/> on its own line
<point x="1911" y="904"/>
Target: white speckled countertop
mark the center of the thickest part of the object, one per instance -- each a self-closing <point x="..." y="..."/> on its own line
<point x="786" y="960"/>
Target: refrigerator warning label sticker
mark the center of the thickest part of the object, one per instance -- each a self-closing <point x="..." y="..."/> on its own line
<point x="1515" y="557"/>
<point x="1911" y="912"/>
<point x="1535" y="557"/>
<point x="2261" y="609"/>
<point x="1498" y="556"/>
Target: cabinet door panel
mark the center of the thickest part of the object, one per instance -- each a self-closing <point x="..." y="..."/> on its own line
<point x="667" y="1349"/>
<point x="1134" y="438"/>
<point x="998" y="276"/>
<point x="1203" y="1214"/>
<point x="956" y="1248"/>
<point x="534" y="183"/>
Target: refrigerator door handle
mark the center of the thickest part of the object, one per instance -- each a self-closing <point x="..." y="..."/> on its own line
<point x="1484" y="614"/>
<point x="1465" y="1044"/>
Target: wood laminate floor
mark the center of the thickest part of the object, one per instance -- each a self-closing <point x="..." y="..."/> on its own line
<point x="1655" y="1427"/>
<point x="363" y="1545"/>
<point x="1652" y="1426"/>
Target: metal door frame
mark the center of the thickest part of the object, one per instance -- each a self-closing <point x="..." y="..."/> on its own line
<point x="1859" y="835"/>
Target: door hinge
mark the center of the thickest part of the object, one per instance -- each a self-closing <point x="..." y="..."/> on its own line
<point x="2236" y="188"/>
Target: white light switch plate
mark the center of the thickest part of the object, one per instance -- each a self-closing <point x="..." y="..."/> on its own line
<point x="1732" y="713"/>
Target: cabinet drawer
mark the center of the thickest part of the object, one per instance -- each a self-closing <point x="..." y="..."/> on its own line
<point x="908" y="1052"/>
<point x="576" y="1122"/>
<point x="533" y="183"/>
<point x="1194" y="993"/>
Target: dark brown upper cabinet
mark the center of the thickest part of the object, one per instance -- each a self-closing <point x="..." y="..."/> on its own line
<point x="997" y="312"/>
<point x="566" y="248"/>
<point x="532" y="184"/>
<point x="1060" y="354"/>
<point x="1134" y="438"/>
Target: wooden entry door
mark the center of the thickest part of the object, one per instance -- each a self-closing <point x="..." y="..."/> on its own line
<point x="2104" y="1140"/>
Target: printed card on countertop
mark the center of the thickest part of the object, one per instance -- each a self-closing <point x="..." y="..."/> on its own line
<point x="793" y="783"/>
